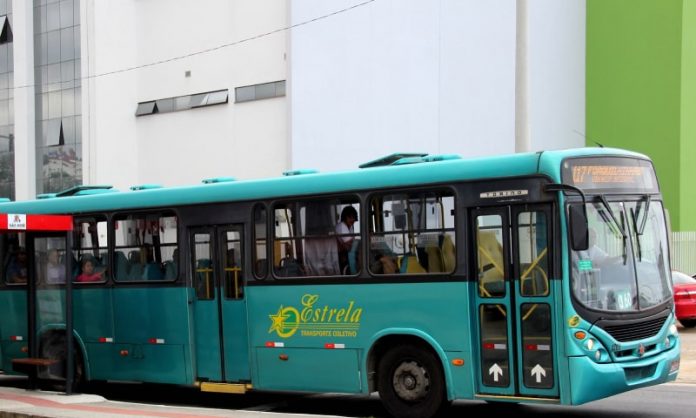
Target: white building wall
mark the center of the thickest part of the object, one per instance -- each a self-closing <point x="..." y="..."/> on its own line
<point x="426" y="76"/>
<point x="408" y="75"/>
<point x="244" y="140"/>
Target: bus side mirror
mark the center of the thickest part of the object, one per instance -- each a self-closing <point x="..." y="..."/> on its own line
<point x="578" y="228"/>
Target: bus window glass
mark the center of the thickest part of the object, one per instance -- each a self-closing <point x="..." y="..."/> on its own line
<point x="260" y="262"/>
<point x="533" y="255"/>
<point x="50" y="260"/>
<point x="146" y="247"/>
<point x="232" y="262"/>
<point x="90" y="250"/>
<point x="650" y="251"/>
<point x="412" y="233"/>
<point x="491" y="257"/>
<point x="604" y="274"/>
<point x="317" y="238"/>
<point x="14" y="258"/>
<point x="202" y="262"/>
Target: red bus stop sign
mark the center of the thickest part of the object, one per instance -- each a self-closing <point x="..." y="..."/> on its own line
<point x="35" y="223"/>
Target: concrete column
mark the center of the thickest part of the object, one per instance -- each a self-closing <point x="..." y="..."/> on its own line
<point x="522" y="140"/>
<point x="24" y="113"/>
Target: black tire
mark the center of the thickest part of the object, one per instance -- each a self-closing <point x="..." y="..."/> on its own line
<point x="411" y="382"/>
<point x="54" y="378"/>
<point x="688" y="323"/>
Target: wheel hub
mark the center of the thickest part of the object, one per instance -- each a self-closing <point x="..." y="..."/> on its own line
<point x="411" y="381"/>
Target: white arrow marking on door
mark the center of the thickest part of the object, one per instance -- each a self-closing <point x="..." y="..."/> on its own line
<point x="539" y="372"/>
<point x="496" y="371"/>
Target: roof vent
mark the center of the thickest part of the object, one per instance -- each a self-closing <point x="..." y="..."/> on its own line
<point x="145" y="187"/>
<point x="5" y="199"/>
<point x="83" y="190"/>
<point x="441" y="157"/>
<point x="300" y="172"/>
<point x="391" y="159"/>
<point x="219" y="180"/>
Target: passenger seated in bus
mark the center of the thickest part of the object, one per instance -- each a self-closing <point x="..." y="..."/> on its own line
<point x="289" y="266"/>
<point x="55" y="270"/>
<point x="17" y="269"/>
<point x="88" y="274"/>
<point x="383" y="264"/>
<point x="344" y="232"/>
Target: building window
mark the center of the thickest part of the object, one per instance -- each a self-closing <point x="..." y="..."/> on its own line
<point x="57" y="60"/>
<point x="7" y="175"/>
<point x="259" y="91"/>
<point x="6" y="31"/>
<point x="174" y="104"/>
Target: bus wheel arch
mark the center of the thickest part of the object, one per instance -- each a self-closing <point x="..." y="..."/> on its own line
<point x="52" y="346"/>
<point x="409" y="374"/>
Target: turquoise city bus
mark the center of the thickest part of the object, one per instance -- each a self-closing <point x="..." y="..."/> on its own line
<point x="540" y="277"/>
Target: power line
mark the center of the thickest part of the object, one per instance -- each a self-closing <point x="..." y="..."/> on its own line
<point x="208" y="50"/>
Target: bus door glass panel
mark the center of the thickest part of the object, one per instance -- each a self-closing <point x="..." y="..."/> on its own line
<point x="14" y="258"/>
<point x="231" y="242"/>
<point x="493" y="302"/>
<point x="233" y="317"/>
<point x="260" y="249"/>
<point x="50" y="272"/>
<point x="533" y="300"/>
<point x="203" y="272"/>
<point x="206" y="308"/>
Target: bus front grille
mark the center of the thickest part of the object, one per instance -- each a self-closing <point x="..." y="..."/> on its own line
<point x="632" y="331"/>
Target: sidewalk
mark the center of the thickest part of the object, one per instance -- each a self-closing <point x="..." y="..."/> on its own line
<point x="20" y="403"/>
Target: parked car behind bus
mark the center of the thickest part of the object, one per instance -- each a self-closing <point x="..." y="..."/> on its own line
<point x="685" y="298"/>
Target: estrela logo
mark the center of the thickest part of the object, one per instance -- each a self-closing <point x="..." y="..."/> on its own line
<point x="313" y="320"/>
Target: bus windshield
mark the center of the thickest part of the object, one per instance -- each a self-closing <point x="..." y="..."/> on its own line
<point x="625" y="267"/>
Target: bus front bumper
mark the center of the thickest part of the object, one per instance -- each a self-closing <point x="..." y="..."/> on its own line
<point x="591" y="381"/>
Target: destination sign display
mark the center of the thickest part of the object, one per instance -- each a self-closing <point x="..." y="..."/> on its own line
<point x="620" y="174"/>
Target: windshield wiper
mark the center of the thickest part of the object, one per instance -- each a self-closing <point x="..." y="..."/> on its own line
<point x="634" y="215"/>
<point x="613" y="217"/>
<point x="641" y="229"/>
<point x="617" y="224"/>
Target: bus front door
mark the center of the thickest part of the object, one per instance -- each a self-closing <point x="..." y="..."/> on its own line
<point x="219" y="304"/>
<point x="513" y="299"/>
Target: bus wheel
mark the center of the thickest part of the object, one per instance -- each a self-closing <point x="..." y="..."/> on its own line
<point x="53" y="347"/>
<point x="411" y="382"/>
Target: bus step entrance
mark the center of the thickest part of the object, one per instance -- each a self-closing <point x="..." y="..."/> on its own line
<point x="237" y="388"/>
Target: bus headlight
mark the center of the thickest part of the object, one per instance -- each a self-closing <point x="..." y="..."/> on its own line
<point x="673" y="330"/>
<point x="589" y="344"/>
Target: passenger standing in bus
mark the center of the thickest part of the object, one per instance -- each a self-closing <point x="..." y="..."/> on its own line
<point x="88" y="274"/>
<point x="55" y="271"/>
<point x="17" y="269"/>
<point x="344" y="230"/>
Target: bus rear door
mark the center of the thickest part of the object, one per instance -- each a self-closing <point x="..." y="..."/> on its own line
<point x="220" y="320"/>
<point x="513" y="299"/>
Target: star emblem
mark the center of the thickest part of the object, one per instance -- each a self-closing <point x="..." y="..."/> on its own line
<point x="278" y="321"/>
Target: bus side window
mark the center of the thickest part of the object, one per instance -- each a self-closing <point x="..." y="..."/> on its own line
<point x="412" y="233"/>
<point x="90" y="250"/>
